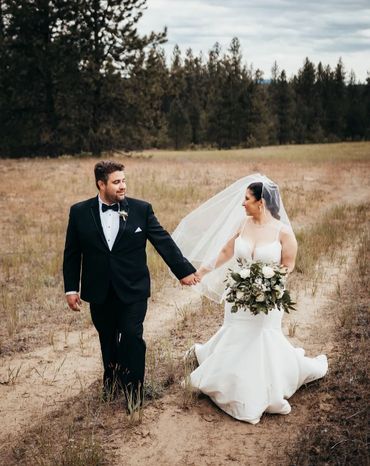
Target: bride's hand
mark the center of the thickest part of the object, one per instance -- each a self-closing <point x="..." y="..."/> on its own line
<point x="201" y="272"/>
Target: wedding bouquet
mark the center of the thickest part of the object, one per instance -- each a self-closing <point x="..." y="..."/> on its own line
<point x="258" y="286"/>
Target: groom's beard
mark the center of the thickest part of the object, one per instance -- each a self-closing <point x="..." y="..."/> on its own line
<point x="120" y="197"/>
<point x="112" y="199"/>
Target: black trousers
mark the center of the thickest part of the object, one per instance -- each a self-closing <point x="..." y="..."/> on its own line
<point x="120" y="329"/>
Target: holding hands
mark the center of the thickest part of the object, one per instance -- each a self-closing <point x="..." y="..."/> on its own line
<point x="194" y="278"/>
<point x="190" y="280"/>
<point x="201" y="272"/>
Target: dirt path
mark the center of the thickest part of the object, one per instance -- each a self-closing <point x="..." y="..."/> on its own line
<point x="34" y="384"/>
<point x="45" y="378"/>
<point x="204" y="435"/>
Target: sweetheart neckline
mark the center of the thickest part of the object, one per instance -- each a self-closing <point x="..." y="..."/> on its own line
<point x="252" y="252"/>
<point x="258" y="247"/>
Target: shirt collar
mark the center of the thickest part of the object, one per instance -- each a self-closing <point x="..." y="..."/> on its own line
<point x="101" y="203"/>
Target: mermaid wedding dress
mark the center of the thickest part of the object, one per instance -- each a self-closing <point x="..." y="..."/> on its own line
<point x="248" y="367"/>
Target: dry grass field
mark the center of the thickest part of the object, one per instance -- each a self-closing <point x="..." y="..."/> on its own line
<point x="50" y="363"/>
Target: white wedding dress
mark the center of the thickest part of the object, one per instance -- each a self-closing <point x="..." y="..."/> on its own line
<point x="249" y="367"/>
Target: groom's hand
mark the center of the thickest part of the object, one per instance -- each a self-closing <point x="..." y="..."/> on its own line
<point x="189" y="280"/>
<point x="73" y="301"/>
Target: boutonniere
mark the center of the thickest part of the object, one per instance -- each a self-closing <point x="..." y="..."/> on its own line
<point x="123" y="214"/>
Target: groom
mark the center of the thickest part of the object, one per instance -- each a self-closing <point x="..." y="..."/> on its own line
<point x="105" y="250"/>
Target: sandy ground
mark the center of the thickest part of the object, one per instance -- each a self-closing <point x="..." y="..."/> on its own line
<point x="204" y="435"/>
<point x="48" y="376"/>
<point x="36" y="383"/>
<point x="169" y="434"/>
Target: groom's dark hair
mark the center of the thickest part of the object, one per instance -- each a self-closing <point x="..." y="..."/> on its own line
<point x="104" y="168"/>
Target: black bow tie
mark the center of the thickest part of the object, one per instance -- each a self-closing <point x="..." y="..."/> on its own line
<point x="105" y="207"/>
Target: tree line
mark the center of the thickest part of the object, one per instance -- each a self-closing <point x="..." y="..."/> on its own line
<point x="76" y="76"/>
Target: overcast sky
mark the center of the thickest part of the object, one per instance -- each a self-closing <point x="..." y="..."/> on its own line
<point x="283" y="30"/>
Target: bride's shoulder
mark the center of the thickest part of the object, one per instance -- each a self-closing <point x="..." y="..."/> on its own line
<point x="285" y="231"/>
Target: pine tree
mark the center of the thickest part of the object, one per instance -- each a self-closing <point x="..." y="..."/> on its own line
<point x="177" y="109"/>
<point x="178" y="121"/>
<point x="76" y="76"/>
<point x="274" y="104"/>
<point x="259" y="119"/>
<point x="59" y="64"/>
<point x="366" y="100"/>
<point x="32" y="65"/>
<point x="194" y="88"/>
<point x="340" y="98"/>
<point x="146" y="90"/>
<point x="235" y="96"/>
<point x="356" y="110"/>
<point x="109" y="42"/>
<point x="308" y="127"/>
<point x="228" y="97"/>
<point x="214" y="109"/>
<point x="285" y="110"/>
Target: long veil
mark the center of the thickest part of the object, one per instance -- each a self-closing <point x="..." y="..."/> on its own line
<point x="202" y="233"/>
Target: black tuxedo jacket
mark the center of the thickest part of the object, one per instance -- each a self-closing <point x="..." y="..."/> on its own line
<point x="88" y="259"/>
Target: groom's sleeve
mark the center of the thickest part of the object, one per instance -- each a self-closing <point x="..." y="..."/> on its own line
<point x="72" y="257"/>
<point x="166" y="247"/>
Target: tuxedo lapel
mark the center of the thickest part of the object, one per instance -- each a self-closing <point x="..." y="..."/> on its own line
<point x="94" y="208"/>
<point x="123" y="205"/>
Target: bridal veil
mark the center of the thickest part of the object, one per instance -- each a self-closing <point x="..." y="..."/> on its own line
<point x="202" y="233"/>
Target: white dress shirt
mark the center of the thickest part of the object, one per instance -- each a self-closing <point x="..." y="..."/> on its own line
<point x="110" y="223"/>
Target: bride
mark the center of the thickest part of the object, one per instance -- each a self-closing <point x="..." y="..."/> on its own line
<point x="247" y="367"/>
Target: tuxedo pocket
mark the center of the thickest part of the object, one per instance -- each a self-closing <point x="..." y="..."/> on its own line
<point x="138" y="230"/>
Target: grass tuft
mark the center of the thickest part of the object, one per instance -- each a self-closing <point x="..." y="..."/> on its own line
<point x="338" y="434"/>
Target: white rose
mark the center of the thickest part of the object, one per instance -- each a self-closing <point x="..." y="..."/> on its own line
<point x="257" y="287"/>
<point x="260" y="298"/>
<point x="245" y="273"/>
<point x="267" y="271"/>
<point x="281" y="294"/>
<point x="239" y="295"/>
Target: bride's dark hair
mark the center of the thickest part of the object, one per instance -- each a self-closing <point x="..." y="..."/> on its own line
<point x="272" y="202"/>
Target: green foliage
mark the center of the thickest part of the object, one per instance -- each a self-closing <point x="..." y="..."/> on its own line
<point x="258" y="287"/>
<point x="67" y="70"/>
<point x="178" y="122"/>
<point x="75" y="76"/>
